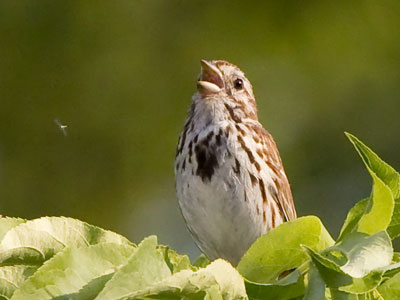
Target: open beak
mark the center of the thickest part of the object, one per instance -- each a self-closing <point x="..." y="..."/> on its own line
<point x="211" y="80"/>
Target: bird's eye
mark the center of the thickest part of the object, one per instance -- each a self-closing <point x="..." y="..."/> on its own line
<point x="238" y="84"/>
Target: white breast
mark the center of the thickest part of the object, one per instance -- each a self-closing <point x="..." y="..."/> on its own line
<point x="223" y="219"/>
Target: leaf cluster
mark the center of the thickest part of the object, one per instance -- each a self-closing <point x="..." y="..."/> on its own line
<point x="63" y="258"/>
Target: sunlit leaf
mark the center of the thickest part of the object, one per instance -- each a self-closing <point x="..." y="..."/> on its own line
<point x="338" y="280"/>
<point x="145" y="267"/>
<point x="11" y="277"/>
<point x="7" y="223"/>
<point x="219" y="280"/>
<point x="176" y="262"/>
<point x="353" y="217"/>
<point x="390" y="289"/>
<point x="375" y="164"/>
<point x="38" y="240"/>
<point x="364" y="253"/>
<point x="73" y="269"/>
<point x="280" y="249"/>
<point x="375" y="214"/>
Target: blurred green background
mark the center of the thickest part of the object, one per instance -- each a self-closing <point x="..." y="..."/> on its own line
<point x="120" y="75"/>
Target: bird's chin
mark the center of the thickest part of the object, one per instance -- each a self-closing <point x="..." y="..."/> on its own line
<point x="208" y="88"/>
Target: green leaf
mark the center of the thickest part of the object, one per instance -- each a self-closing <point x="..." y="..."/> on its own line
<point x="363" y="253"/>
<point x="7" y="223"/>
<point x="292" y="286"/>
<point x="280" y="249"/>
<point x="74" y="271"/>
<point x="316" y="286"/>
<point x="202" y="261"/>
<point x="219" y="280"/>
<point x="144" y="268"/>
<point x="391" y="270"/>
<point x="373" y="295"/>
<point x="35" y="241"/>
<point x="176" y="262"/>
<point x="394" y="226"/>
<point x="338" y="295"/>
<point x="386" y="187"/>
<point x="353" y="217"/>
<point x="375" y="164"/>
<point x="339" y="281"/>
<point x="11" y="277"/>
<point x="390" y="289"/>
<point x="379" y="215"/>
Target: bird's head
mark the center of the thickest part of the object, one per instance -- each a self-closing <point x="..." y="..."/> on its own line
<point x="223" y="83"/>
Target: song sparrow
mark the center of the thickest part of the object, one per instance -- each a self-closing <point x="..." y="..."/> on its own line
<point x="229" y="176"/>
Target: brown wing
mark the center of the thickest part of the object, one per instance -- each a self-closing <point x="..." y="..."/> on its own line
<point x="283" y="194"/>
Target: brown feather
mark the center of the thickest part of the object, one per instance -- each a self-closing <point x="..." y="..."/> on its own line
<point x="283" y="192"/>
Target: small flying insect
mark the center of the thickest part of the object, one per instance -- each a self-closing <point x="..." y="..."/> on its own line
<point x="62" y="127"/>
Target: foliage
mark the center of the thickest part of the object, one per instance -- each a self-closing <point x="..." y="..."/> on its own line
<point x="63" y="258"/>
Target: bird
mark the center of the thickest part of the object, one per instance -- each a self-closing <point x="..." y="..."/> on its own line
<point x="230" y="182"/>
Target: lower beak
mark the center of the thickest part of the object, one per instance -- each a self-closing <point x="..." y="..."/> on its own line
<point x="211" y="80"/>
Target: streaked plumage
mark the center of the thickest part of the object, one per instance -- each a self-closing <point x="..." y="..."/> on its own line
<point x="230" y="181"/>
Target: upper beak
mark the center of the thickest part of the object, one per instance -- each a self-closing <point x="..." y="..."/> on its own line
<point x="211" y="80"/>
